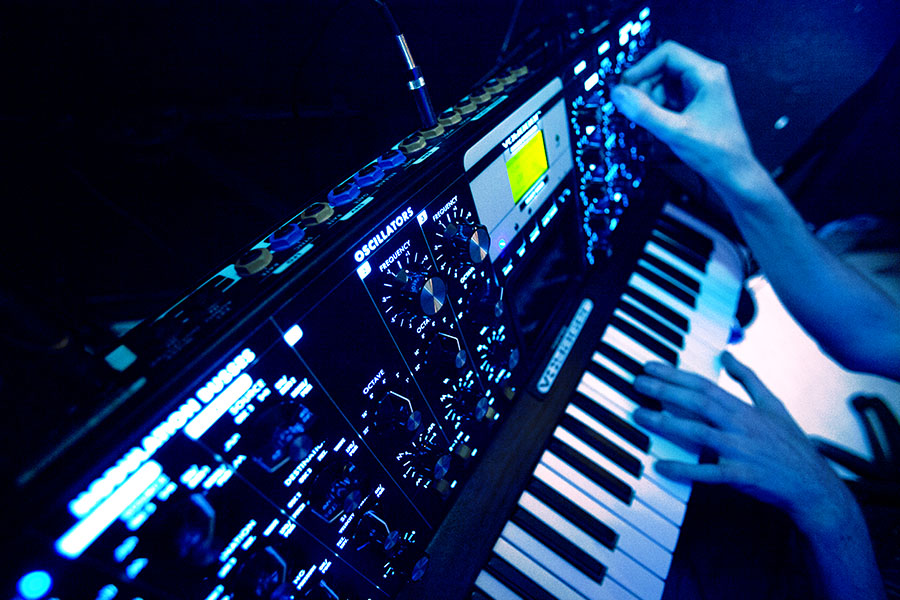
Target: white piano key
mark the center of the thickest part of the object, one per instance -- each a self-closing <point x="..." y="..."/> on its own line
<point x="631" y="541"/>
<point x="712" y="327"/>
<point x="707" y="302"/>
<point x="696" y="356"/>
<point x="550" y="560"/>
<point x="680" y="490"/>
<point x="637" y="513"/>
<point x="725" y="254"/>
<point x="623" y="407"/>
<point x="713" y="294"/>
<point x="717" y="280"/>
<point x="611" y="365"/>
<point x="645" y="490"/>
<point x="619" y="566"/>
<point x="488" y="584"/>
<point x="534" y="571"/>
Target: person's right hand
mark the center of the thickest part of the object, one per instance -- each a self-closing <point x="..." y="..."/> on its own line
<point x="686" y="101"/>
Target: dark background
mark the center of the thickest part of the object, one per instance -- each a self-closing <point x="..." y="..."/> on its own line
<point x="143" y="144"/>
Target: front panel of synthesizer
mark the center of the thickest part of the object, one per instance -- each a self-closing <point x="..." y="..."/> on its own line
<point x="300" y="424"/>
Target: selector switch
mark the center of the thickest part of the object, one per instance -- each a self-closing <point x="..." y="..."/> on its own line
<point x="253" y="262"/>
<point x="427" y="295"/>
<point x="343" y="194"/>
<point x="287" y="236"/>
<point x="472" y="242"/>
<point x="316" y="214"/>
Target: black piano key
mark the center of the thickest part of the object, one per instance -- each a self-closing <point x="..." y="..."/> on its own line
<point x="512" y="578"/>
<point x="674" y="317"/>
<point x="574" y="513"/>
<point x="666" y="285"/>
<point x="621" y="359"/>
<point x="636" y="437"/>
<point x="548" y="536"/>
<point x="592" y="471"/>
<point x="688" y="256"/>
<point x="646" y="340"/>
<point x="669" y="271"/>
<point x="602" y="445"/>
<point x="623" y="387"/>
<point x="653" y="323"/>
<point x="685" y="235"/>
<point x="476" y="595"/>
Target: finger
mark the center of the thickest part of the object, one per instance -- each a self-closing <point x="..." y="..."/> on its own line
<point x="667" y="372"/>
<point x="758" y="392"/>
<point x="706" y="401"/>
<point x="669" y="57"/>
<point x="722" y="472"/>
<point x="640" y="108"/>
<point x="687" y="433"/>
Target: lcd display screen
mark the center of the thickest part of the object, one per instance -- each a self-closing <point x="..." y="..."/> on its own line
<point x="527" y="165"/>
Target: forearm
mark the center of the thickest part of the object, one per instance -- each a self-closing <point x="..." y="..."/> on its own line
<point x="841" y="554"/>
<point x="850" y="317"/>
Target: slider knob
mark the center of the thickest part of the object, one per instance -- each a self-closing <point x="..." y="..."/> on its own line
<point x="472" y="242"/>
<point x="427" y="294"/>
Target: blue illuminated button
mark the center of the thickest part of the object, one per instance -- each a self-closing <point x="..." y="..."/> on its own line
<point x="369" y="176"/>
<point x="287" y="236"/>
<point x="343" y="194"/>
<point x="391" y="159"/>
<point x="34" y="585"/>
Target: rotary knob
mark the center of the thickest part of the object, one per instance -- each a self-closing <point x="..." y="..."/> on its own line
<point x="337" y="488"/>
<point x="472" y="242"/>
<point x="434" y="460"/>
<point x="394" y="413"/>
<point x="426" y="294"/>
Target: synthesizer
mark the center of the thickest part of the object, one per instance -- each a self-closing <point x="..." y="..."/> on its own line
<point x="311" y="420"/>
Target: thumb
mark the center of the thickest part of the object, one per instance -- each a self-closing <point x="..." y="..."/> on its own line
<point x="640" y="108"/>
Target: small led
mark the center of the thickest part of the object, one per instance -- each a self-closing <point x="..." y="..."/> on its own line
<point x="293" y="335"/>
<point x="34" y="585"/>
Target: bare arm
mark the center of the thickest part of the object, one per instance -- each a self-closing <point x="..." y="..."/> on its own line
<point x="853" y="320"/>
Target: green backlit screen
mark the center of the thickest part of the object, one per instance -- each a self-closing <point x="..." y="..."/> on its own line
<point x="527" y="165"/>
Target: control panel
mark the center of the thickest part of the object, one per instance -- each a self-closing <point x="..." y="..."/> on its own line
<point x="299" y="425"/>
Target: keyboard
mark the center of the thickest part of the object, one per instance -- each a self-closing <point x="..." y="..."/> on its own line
<point x="595" y="521"/>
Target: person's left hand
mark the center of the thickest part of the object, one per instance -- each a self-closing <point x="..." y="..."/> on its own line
<point x="761" y="450"/>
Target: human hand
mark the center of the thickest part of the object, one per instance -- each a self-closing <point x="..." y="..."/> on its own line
<point x="686" y="101"/>
<point x="761" y="449"/>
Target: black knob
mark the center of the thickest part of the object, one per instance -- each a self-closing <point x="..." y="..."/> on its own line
<point x="426" y="295"/>
<point x="471" y="242"/>
<point x="394" y="413"/>
<point x="337" y="488"/>
<point x="263" y="575"/>
<point x="446" y="354"/>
